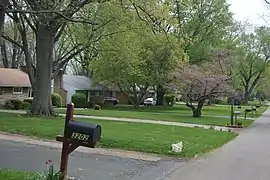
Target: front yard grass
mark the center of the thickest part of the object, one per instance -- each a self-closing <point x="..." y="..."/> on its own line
<point x="178" y="113"/>
<point x="150" y="138"/>
<point x="6" y="174"/>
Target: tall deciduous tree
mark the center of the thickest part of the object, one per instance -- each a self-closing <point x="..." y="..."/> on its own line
<point x="252" y="57"/>
<point x="202" y="24"/>
<point x="136" y="59"/>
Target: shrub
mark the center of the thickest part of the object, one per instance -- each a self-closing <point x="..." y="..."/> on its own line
<point x="79" y="100"/>
<point x="17" y="104"/>
<point x="56" y="100"/>
<point x="29" y="101"/>
<point x="97" y="107"/>
<point x="95" y="100"/>
<point x="9" y="105"/>
<point x="220" y="101"/>
<point x="14" y="104"/>
<point x="26" y="105"/>
<point x="170" y="99"/>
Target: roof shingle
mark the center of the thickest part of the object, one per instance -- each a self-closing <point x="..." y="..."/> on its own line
<point x="13" y="78"/>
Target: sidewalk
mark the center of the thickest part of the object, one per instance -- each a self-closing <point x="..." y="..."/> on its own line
<point x="245" y="158"/>
<point x="217" y="128"/>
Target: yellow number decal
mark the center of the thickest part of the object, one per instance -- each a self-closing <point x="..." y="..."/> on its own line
<point x="79" y="136"/>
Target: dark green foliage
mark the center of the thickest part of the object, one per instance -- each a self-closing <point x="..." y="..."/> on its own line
<point x="170" y="99"/>
<point x="14" y="104"/>
<point x="79" y="100"/>
<point x="97" y="107"/>
<point x="28" y="100"/>
<point x="26" y="105"/>
<point x="220" y="101"/>
<point x="56" y="100"/>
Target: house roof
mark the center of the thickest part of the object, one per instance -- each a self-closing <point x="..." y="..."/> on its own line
<point x="80" y="83"/>
<point x="13" y="78"/>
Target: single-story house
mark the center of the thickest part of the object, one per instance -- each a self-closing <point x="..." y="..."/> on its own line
<point x="68" y="85"/>
<point x="14" y="84"/>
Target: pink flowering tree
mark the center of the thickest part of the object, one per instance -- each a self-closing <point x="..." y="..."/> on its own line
<point x="200" y="83"/>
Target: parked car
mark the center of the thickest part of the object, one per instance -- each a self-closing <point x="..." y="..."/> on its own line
<point x="112" y="100"/>
<point x="149" y="102"/>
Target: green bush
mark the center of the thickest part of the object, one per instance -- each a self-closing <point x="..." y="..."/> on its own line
<point x="170" y="99"/>
<point x="56" y="100"/>
<point x="79" y="100"/>
<point x="17" y="104"/>
<point x="26" y="105"/>
<point x="220" y="101"/>
<point x="95" y="100"/>
<point x="9" y="105"/>
<point x="29" y="101"/>
<point x="97" y="107"/>
<point x="13" y="104"/>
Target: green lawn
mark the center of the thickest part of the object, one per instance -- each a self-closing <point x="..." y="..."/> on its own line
<point x="178" y="113"/>
<point x="6" y="174"/>
<point x="149" y="138"/>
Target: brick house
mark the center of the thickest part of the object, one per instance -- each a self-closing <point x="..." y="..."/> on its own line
<point x="67" y="85"/>
<point x="14" y="84"/>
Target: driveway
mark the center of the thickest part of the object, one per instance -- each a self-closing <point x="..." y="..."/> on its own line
<point x="30" y="157"/>
<point x="245" y="158"/>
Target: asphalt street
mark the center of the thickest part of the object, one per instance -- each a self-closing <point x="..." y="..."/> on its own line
<point x="29" y="157"/>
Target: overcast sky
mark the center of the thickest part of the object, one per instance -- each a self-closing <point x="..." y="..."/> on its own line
<point x="249" y="10"/>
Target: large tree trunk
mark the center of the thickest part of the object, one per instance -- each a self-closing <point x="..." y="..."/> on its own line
<point x="196" y="110"/>
<point x="42" y="104"/>
<point x="160" y="95"/>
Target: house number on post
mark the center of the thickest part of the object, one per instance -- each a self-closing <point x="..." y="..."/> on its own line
<point x="76" y="134"/>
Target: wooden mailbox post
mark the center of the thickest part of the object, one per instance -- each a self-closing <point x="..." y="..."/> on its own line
<point x="76" y="134"/>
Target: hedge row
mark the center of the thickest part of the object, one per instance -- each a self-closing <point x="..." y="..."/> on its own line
<point x="17" y="104"/>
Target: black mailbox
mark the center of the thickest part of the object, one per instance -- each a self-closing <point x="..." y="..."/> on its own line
<point x="76" y="134"/>
<point x="84" y="132"/>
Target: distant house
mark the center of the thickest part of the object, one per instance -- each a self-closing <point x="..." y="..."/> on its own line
<point x="68" y="85"/>
<point x="14" y="84"/>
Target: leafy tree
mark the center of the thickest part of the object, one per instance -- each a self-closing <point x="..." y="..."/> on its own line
<point x="252" y="59"/>
<point x="198" y="83"/>
<point x="202" y="24"/>
<point x="135" y="60"/>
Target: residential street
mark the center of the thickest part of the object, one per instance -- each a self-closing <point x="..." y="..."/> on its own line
<point x="29" y="157"/>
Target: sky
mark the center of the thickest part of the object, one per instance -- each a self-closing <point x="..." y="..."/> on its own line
<point x="250" y="10"/>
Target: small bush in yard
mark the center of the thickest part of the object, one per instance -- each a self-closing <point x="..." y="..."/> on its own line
<point x="79" y="100"/>
<point x="26" y="105"/>
<point x="97" y="107"/>
<point x="56" y="100"/>
<point x="14" y="104"/>
<point x="17" y="104"/>
<point x="170" y="99"/>
<point x="8" y="105"/>
<point x="49" y="174"/>
<point x="29" y="101"/>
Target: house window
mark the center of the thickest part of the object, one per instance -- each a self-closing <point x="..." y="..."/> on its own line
<point x="17" y="90"/>
<point x="30" y="93"/>
<point x="96" y="93"/>
<point x="92" y="93"/>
